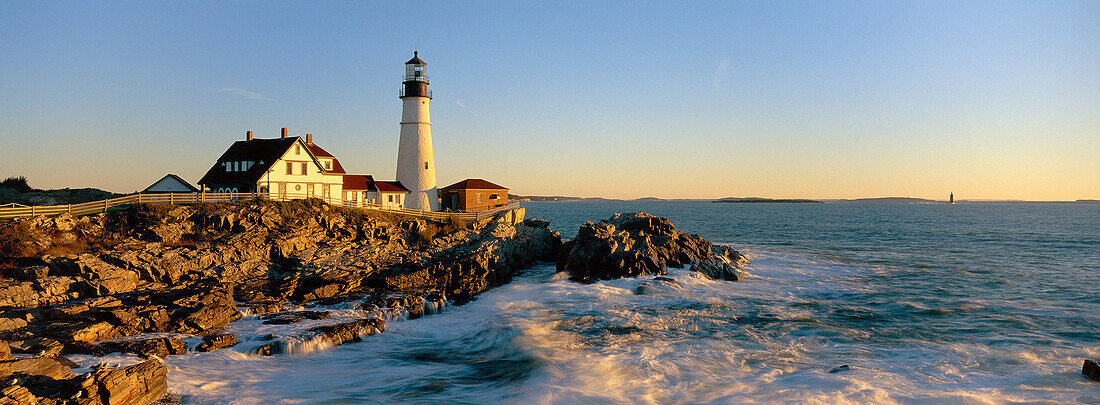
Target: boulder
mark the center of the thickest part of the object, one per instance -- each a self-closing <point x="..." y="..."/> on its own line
<point x="215" y="342"/>
<point x="139" y="384"/>
<point x="1091" y="369"/>
<point x="634" y="244"/>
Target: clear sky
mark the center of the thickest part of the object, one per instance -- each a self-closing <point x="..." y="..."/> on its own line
<point x="624" y="99"/>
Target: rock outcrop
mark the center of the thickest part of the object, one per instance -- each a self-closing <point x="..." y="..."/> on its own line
<point x="85" y="285"/>
<point x="634" y="244"/>
<point x="1091" y="369"/>
<point x="215" y="342"/>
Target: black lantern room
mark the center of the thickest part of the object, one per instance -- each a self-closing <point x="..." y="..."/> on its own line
<point x="416" y="79"/>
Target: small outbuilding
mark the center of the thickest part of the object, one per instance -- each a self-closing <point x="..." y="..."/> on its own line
<point x="362" y="190"/>
<point x="473" y="195"/>
<point x="171" y="183"/>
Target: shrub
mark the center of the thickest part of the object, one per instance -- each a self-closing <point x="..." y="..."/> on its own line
<point x="17" y="183"/>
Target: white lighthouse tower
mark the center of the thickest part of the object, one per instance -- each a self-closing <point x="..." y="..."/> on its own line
<point x="415" y="161"/>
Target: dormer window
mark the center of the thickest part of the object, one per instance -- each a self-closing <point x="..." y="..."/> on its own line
<point x="328" y="164"/>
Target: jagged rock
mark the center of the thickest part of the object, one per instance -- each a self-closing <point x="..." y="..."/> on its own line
<point x="45" y="366"/>
<point x="334" y="335"/>
<point x="630" y="245"/>
<point x="286" y="318"/>
<point x="10" y="324"/>
<point x="139" y="384"/>
<point x="38" y="346"/>
<point x="215" y="342"/>
<point x="341" y="333"/>
<point x="1091" y="369"/>
<point x="160" y="347"/>
<point x="94" y="332"/>
<point x="5" y="350"/>
<point x="16" y="395"/>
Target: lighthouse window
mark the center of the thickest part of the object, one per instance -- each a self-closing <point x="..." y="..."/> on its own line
<point x="425" y="165"/>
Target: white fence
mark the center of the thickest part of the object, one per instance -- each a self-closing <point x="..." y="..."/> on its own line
<point x="95" y="207"/>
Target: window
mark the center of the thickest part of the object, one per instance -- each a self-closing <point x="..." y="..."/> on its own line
<point x="297" y="149"/>
<point x="478" y="197"/>
<point x="289" y="168"/>
<point x="425" y="165"/>
<point x="391" y="198"/>
<point x="303" y="169"/>
<point x="494" y="196"/>
<point x="328" y="164"/>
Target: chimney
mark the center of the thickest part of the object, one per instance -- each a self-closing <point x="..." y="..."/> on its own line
<point x="284" y="132"/>
<point x="249" y="136"/>
<point x="309" y="138"/>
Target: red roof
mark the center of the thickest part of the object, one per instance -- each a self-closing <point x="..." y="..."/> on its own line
<point x="473" y="184"/>
<point x="359" y="182"/>
<point x="317" y="151"/>
<point x="336" y="167"/>
<point x="390" y="186"/>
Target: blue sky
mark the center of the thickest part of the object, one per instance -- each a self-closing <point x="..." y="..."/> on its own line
<point x="676" y="99"/>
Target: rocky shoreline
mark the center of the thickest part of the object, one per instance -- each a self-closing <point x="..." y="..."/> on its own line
<point x="137" y="280"/>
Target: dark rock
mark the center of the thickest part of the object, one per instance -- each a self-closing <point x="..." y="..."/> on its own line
<point x="630" y="245"/>
<point x="1091" y="369"/>
<point x="838" y="369"/>
<point x="269" y="349"/>
<point x="160" y="347"/>
<point x="83" y="348"/>
<point x="335" y="335"/>
<point x="286" y="318"/>
<point x="215" y="342"/>
<point x="341" y="333"/>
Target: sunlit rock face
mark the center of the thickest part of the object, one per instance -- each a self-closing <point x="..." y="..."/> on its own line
<point x="141" y="281"/>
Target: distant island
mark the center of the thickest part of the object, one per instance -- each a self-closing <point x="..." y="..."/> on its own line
<point x="767" y="200"/>
<point x="893" y="200"/>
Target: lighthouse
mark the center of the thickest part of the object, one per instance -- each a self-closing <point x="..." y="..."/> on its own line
<point x="415" y="161"/>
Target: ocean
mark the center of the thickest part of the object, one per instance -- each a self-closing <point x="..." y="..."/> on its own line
<point x="972" y="303"/>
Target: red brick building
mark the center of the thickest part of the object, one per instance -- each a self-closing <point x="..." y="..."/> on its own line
<point x="472" y="195"/>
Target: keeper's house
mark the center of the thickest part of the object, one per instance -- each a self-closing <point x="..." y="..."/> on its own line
<point x="362" y="190"/>
<point x="285" y="167"/>
<point x="473" y="195"/>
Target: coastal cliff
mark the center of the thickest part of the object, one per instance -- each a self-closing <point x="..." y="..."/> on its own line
<point x="83" y="285"/>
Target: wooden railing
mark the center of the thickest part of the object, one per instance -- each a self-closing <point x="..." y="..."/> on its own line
<point x="95" y="207"/>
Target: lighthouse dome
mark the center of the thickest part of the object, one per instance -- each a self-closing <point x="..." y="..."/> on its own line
<point x="415" y="60"/>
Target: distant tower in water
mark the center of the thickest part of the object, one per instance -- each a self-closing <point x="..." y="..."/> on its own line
<point x="951" y="200"/>
<point x="415" y="161"/>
